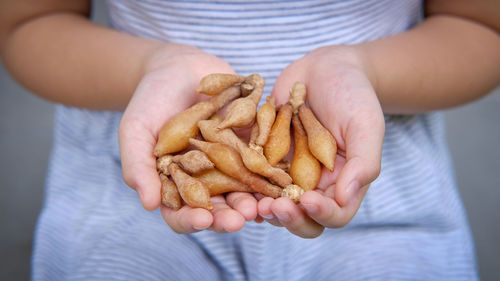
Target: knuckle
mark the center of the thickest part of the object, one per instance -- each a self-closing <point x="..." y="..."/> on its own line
<point x="177" y="231"/>
<point x="374" y="170"/>
<point x="172" y="221"/>
<point x="175" y="228"/>
<point x="312" y="234"/>
<point x="339" y="221"/>
<point x="339" y="224"/>
<point x="308" y="231"/>
<point x="343" y="222"/>
<point x="240" y="199"/>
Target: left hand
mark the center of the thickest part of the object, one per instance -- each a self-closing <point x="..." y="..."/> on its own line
<point x="343" y="99"/>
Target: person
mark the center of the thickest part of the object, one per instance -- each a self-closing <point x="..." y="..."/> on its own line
<point x="377" y="74"/>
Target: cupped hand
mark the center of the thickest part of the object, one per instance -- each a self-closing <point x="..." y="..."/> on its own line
<point x="343" y="99"/>
<point x="168" y="86"/>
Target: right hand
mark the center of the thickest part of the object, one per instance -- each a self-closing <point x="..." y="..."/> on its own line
<point x="172" y="74"/>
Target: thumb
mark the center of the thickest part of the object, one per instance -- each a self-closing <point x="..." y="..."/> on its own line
<point x="363" y="140"/>
<point x="138" y="162"/>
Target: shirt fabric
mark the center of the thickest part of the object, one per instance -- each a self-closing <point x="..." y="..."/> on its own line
<point x="410" y="226"/>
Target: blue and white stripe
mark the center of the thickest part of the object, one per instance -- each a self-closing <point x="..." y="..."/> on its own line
<point x="411" y="225"/>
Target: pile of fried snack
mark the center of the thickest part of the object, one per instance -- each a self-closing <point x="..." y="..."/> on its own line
<point x="220" y="161"/>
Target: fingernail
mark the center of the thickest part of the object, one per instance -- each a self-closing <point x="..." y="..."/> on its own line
<point x="352" y="189"/>
<point x="199" y="228"/>
<point x="283" y="217"/>
<point x="310" y="208"/>
<point x="268" y="217"/>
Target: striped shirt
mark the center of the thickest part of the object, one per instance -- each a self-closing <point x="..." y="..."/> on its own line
<point x="410" y="226"/>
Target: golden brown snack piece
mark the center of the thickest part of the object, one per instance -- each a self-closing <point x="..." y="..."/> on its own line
<point x="253" y="136"/>
<point x="284" y="165"/>
<point x="192" y="190"/>
<point x="252" y="167"/>
<point x="293" y="192"/>
<point x="265" y="120"/>
<point x="170" y="197"/>
<point x="216" y="117"/>
<point x="209" y="131"/>
<point x="229" y="161"/>
<point x="241" y="112"/>
<point x="215" y="83"/>
<point x="297" y="96"/>
<point x="174" y="135"/>
<point x="321" y="142"/>
<point x="305" y="169"/>
<point x="246" y="89"/>
<point x="193" y="161"/>
<point x="162" y="164"/>
<point x="220" y="183"/>
<point x="254" y="133"/>
<point x="278" y="142"/>
<point x="252" y="159"/>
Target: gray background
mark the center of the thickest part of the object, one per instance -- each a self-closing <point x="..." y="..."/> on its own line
<point x="26" y="135"/>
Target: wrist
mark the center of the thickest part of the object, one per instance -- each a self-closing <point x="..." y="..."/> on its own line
<point x="341" y="60"/>
<point x="164" y="54"/>
<point x="192" y="61"/>
<point x="354" y="56"/>
<point x="366" y="65"/>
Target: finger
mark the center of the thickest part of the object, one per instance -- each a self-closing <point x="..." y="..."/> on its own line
<point x="187" y="219"/>
<point x="138" y="163"/>
<point x="327" y="212"/>
<point x="264" y="210"/>
<point x="294" y="219"/>
<point x="225" y="218"/>
<point x="243" y="202"/>
<point x="364" y="138"/>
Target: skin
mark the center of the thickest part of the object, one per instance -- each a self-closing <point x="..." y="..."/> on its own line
<point x="450" y="59"/>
